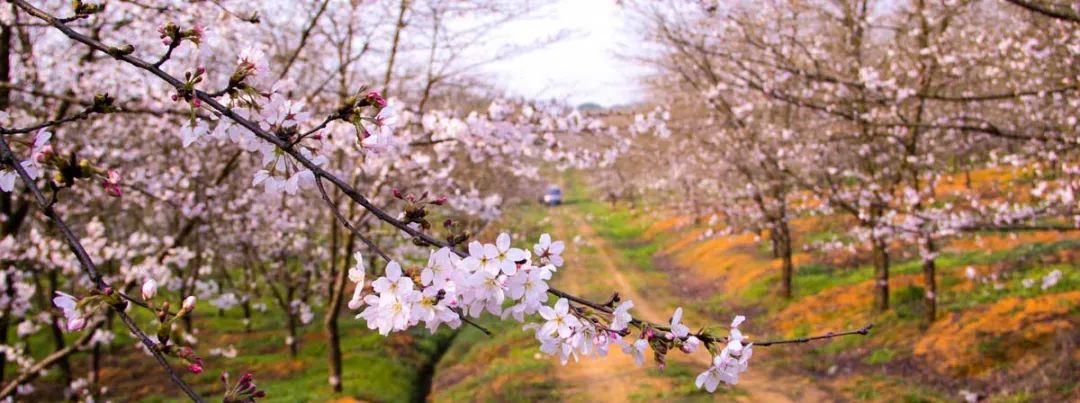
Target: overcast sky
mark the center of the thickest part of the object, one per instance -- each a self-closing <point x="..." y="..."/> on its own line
<point x="584" y="67"/>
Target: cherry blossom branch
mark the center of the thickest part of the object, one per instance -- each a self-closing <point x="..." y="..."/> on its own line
<point x="371" y="245"/>
<point x="7" y="157"/>
<point x="39" y="368"/>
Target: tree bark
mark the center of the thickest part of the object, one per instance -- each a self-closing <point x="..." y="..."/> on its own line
<point x="881" y="272"/>
<point x="930" y="277"/>
<point x="330" y="325"/>
<point x="337" y="296"/>
<point x="246" y="306"/>
<point x="787" y="265"/>
<point x="294" y="343"/>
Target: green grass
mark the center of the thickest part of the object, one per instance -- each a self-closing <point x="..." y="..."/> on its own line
<point x="374" y="367"/>
<point x="501" y="367"/>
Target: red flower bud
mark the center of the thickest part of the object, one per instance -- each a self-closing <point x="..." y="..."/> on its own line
<point x="195" y="368"/>
<point x="376" y="99"/>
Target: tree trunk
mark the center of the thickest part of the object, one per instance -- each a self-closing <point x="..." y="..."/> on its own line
<point x="929" y="276"/>
<point x="333" y="335"/>
<point x="292" y="341"/>
<point x="881" y="271"/>
<point x="774" y="238"/>
<point x="246" y="306"/>
<point x="330" y="324"/>
<point x="787" y="265"/>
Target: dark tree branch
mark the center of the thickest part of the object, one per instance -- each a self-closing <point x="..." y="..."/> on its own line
<point x="1045" y="11"/>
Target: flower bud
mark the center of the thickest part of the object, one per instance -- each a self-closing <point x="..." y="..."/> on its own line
<point x="189" y="303"/>
<point x="195" y="368"/>
<point x="76" y="324"/>
<point x="149" y="289"/>
<point x="376" y="99"/>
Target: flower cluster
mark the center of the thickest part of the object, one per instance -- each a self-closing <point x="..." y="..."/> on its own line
<point x="496" y="278"/>
<point x="244" y="391"/>
<point x="165" y="322"/>
<point x="505" y="281"/>
<point x="732" y="360"/>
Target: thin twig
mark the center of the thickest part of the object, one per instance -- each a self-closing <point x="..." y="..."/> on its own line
<point x="863" y="331"/>
<point x="333" y="207"/>
<point x="168" y="53"/>
<point x="50" y="123"/>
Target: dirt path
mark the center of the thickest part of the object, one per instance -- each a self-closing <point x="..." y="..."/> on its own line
<point x="616" y="378"/>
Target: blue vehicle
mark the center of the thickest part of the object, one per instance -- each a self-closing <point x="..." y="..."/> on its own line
<point x="553" y="197"/>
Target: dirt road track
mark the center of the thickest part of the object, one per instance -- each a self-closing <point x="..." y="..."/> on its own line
<point x="616" y="378"/>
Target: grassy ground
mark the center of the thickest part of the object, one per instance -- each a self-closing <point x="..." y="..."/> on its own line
<point x="375" y="368"/>
<point x="994" y="334"/>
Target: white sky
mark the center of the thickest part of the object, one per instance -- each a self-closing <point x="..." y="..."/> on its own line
<point x="584" y="67"/>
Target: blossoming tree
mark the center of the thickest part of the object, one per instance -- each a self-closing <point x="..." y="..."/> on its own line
<point x="210" y="150"/>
